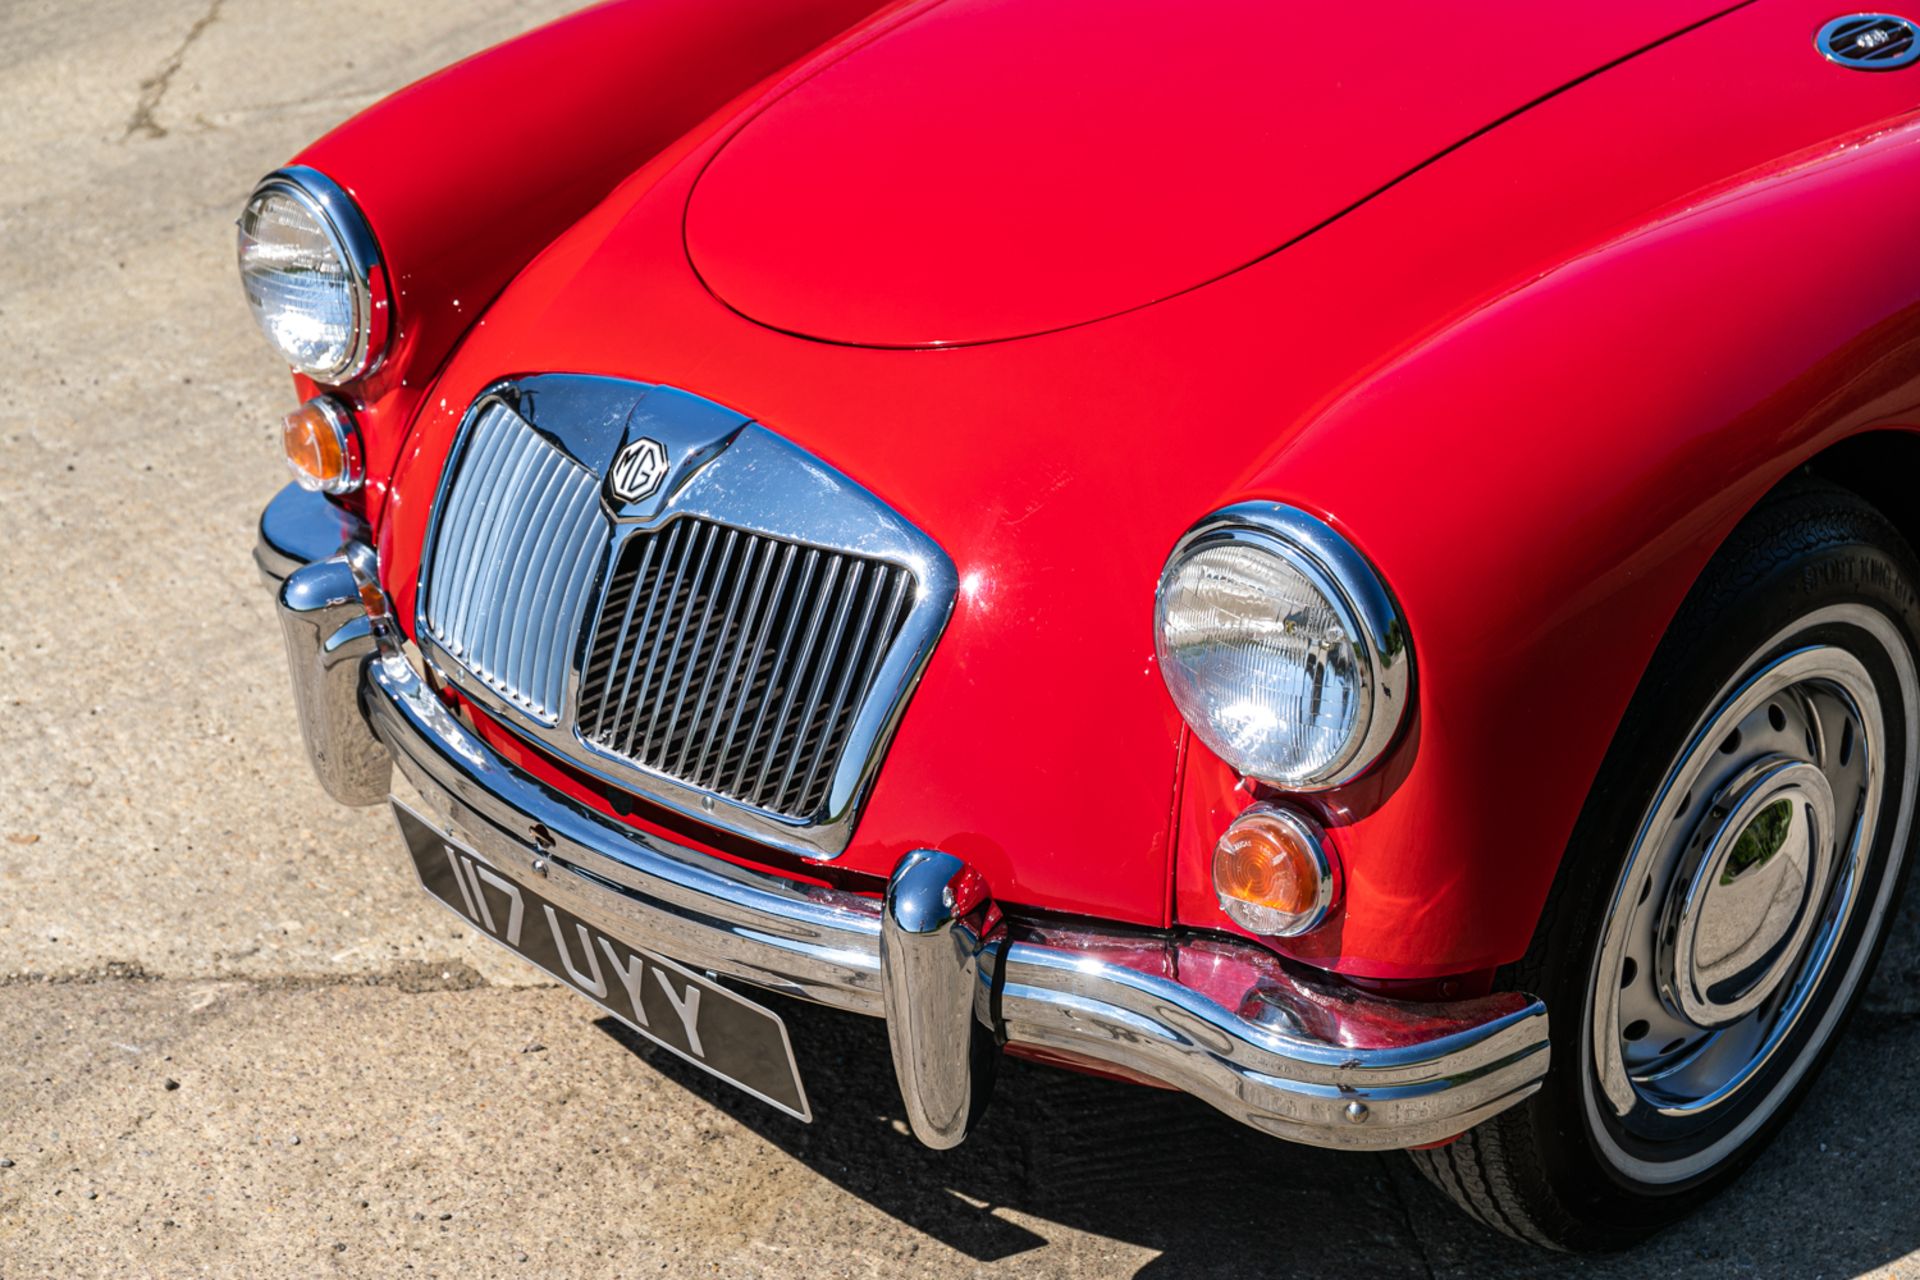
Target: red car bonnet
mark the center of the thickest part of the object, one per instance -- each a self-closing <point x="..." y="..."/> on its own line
<point x="986" y="171"/>
<point x="1058" y="471"/>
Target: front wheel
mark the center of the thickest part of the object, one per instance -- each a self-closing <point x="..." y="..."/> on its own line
<point x="1727" y="886"/>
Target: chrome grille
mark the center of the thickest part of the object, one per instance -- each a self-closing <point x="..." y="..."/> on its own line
<point x="737" y="644"/>
<point x="736" y="662"/>
<point x="520" y="538"/>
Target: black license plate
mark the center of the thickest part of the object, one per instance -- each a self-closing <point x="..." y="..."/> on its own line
<point x="680" y="1010"/>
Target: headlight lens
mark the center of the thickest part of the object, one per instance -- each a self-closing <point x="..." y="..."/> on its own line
<point x="311" y="273"/>
<point x="1281" y="647"/>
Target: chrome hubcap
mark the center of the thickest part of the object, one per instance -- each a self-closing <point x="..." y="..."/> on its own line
<point x="1740" y="906"/>
<point x="1739" y="887"/>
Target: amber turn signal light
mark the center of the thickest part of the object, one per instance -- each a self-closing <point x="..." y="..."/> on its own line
<point x="1275" y="873"/>
<point x="323" y="446"/>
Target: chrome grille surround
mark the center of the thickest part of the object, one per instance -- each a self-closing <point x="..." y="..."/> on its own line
<point x="751" y="631"/>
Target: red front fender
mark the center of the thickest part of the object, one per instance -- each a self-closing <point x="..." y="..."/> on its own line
<point x="1542" y="483"/>
<point x="467" y="174"/>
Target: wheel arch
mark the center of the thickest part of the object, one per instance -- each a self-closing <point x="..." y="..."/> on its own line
<point x="1882" y="466"/>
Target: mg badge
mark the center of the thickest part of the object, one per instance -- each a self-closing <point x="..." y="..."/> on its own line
<point x="637" y="470"/>
<point x="1869" y="42"/>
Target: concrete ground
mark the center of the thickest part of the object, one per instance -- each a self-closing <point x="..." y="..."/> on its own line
<point x="236" y="1040"/>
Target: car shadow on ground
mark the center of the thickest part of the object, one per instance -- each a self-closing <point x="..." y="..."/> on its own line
<point x="1838" y="1194"/>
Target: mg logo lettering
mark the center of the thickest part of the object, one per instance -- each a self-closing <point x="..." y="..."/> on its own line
<point x="637" y="470"/>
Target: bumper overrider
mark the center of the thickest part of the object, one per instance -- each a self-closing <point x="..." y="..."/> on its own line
<point x="1278" y="1046"/>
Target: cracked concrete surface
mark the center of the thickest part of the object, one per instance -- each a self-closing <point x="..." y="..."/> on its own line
<point x="154" y="88"/>
<point x="235" y="1040"/>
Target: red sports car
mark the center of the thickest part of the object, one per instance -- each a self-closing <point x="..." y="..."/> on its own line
<point x="1272" y="550"/>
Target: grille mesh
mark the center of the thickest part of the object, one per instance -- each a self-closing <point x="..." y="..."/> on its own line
<point x="736" y="662"/>
<point x="520" y="537"/>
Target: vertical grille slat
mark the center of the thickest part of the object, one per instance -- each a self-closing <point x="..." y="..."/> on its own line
<point x="774" y="682"/>
<point x="849" y="663"/>
<point x="520" y="539"/>
<point x="767" y="678"/>
<point x="599" y="714"/>
<point x="652" y="592"/>
<point x="678" y="601"/>
<point x="518" y="609"/>
<point x="715" y="642"/>
<point x="488" y="450"/>
<point x="699" y="659"/>
<point x="498" y="536"/>
<point x="767" y="551"/>
<point x="566" y="579"/>
<point x="737" y="673"/>
<point x="796" y="678"/>
<point x="752" y="683"/>
<point x="817" y="684"/>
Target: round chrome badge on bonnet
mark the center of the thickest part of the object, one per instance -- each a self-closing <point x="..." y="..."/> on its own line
<point x="1869" y="42"/>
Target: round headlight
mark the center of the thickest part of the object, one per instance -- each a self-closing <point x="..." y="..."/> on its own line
<point x="1282" y="647"/>
<point x="311" y="271"/>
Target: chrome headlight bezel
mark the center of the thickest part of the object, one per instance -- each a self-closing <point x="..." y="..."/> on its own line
<point x="352" y="242"/>
<point x="1356" y="594"/>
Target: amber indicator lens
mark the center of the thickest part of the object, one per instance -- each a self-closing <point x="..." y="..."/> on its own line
<point x="322" y="446"/>
<point x="1274" y="873"/>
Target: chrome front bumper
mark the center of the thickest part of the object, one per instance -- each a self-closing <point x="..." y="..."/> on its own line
<point x="1278" y="1046"/>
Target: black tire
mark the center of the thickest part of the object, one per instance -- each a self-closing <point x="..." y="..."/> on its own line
<point x="1565" y="1170"/>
